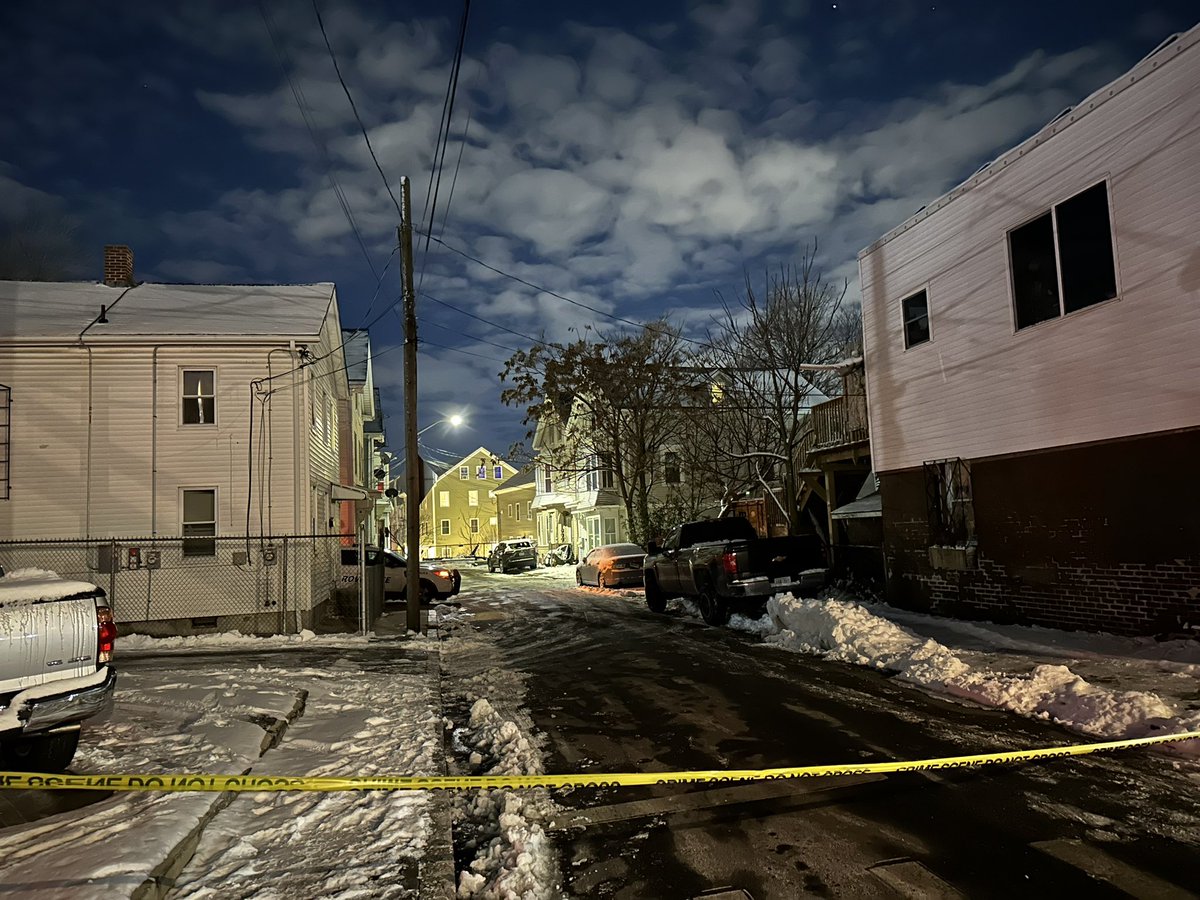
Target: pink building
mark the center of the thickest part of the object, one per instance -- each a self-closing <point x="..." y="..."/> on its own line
<point x="1033" y="369"/>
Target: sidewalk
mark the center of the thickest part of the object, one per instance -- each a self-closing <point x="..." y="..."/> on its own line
<point x="300" y="704"/>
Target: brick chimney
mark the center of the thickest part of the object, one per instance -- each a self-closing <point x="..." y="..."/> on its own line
<point x="118" y="266"/>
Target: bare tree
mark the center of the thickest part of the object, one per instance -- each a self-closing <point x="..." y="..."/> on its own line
<point x="771" y="353"/>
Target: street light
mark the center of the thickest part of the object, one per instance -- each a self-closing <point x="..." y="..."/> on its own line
<point x="453" y="421"/>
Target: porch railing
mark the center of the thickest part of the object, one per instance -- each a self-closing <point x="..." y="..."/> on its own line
<point x="840" y="421"/>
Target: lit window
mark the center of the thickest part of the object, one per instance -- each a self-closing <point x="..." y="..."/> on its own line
<point x="1063" y="261"/>
<point x="472" y="498"/>
<point x="915" y="310"/>
<point x="199" y="397"/>
<point x="443" y="499"/>
<point x="199" y="522"/>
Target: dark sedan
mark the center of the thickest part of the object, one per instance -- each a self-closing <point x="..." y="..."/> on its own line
<point x="613" y="565"/>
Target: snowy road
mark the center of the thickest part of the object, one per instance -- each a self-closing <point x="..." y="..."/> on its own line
<point x="610" y="687"/>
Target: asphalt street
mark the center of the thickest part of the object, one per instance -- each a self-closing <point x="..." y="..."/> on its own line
<point x="614" y="688"/>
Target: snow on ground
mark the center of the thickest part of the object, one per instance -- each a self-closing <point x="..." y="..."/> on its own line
<point x="201" y="717"/>
<point x="846" y="631"/>
<point x="163" y="723"/>
<point x="235" y="640"/>
<point x="357" y="722"/>
<point x="512" y="856"/>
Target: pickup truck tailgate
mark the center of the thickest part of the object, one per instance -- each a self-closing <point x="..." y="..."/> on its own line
<point x="782" y="557"/>
<point x="47" y="631"/>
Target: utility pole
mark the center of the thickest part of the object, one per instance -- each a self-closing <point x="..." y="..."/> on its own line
<point x="412" y="461"/>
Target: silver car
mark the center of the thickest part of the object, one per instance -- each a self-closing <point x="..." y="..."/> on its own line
<point x="613" y="565"/>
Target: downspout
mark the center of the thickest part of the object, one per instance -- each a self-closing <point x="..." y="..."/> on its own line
<point x="154" y="441"/>
<point x="297" y="496"/>
<point x="271" y="441"/>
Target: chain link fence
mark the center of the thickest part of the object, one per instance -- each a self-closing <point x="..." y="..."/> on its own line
<point x="166" y="585"/>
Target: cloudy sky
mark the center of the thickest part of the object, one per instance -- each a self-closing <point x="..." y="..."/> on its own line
<point x="637" y="157"/>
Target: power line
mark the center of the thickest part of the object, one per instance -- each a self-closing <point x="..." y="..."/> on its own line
<point x="472" y="315"/>
<point x="572" y="301"/>
<point x="473" y="337"/>
<point x="429" y="343"/>
<point x="322" y="152"/>
<point x="354" y="107"/>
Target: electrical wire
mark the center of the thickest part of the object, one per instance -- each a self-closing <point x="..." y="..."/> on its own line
<point x="472" y="315"/>
<point x="429" y="343"/>
<point x="354" y="107"/>
<point x="322" y="151"/>
<point x="473" y="337"/>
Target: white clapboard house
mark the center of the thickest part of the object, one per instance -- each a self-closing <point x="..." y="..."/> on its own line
<point x="1033" y="370"/>
<point x="163" y="439"/>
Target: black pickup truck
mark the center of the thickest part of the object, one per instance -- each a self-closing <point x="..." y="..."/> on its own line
<point x="725" y="566"/>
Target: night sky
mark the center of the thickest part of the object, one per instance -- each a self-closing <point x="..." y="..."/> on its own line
<point x="638" y="157"/>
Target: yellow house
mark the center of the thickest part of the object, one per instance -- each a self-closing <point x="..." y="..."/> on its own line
<point x="514" y="507"/>
<point x="458" y="514"/>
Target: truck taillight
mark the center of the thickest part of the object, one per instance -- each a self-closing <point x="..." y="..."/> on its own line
<point x="106" y="634"/>
<point x="729" y="561"/>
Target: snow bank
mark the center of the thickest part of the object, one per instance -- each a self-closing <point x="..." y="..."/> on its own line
<point x="848" y="632"/>
<point x="514" y="858"/>
<point x="32" y="585"/>
<point x="229" y="639"/>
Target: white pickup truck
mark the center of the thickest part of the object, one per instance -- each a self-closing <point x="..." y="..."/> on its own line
<point x="56" y="649"/>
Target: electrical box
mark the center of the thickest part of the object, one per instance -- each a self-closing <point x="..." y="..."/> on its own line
<point x="240" y="557"/>
<point x="152" y="559"/>
<point x="269" y="556"/>
<point x="133" y="558"/>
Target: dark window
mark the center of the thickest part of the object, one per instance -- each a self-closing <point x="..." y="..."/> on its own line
<point x="606" y="478"/>
<point x="199" y="398"/>
<point x="199" y="523"/>
<point x="916" y="319"/>
<point x="949" y="503"/>
<point x="671" y="467"/>
<point x="1085" y="249"/>
<point x="1035" y="278"/>
<point x="1063" y="261"/>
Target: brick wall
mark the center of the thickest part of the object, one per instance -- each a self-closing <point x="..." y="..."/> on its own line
<point x="1104" y="537"/>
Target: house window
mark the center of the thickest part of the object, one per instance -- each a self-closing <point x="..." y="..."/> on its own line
<point x="510" y="510"/>
<point x="443" y="499"/>
<point x="199" y="397"/>
<point x="481" y="472"/>
<point x="1063" y="261"/>
<point x="445" y="526"/>
<point x="498" y="473"/>
<point x="915" y="310"/>
<point x="472" y="498"/>
<point x="606" y="478"/>
<point x="492" y="521"/>
<point x="528" y="504"/>
<point x="199" y="522"/>
<point x="591" y="476"/>
<point x="671" y="467"/>
<point x="474" y="526"/>
<point x="464" y="473"/>
<point x="610" y="531"/>
<point x="547" y="480"/>
<point x="948" y="501"/>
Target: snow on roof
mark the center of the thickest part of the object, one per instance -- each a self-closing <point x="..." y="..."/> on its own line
<point x="33" y="585"/>
<point x="1170" y="48"/>
<point x="30" y="309"/>
<point x="357" y="349"/>
<point x="519" y="480"/>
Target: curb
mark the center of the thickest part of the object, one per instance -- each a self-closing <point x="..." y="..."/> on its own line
<point x="161" y="880"/>
<point x="437" y="877"/>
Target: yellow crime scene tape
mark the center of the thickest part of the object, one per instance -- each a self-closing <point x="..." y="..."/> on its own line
<point x="255" y="783"/>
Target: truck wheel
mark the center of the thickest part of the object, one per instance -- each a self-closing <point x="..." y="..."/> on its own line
<point x="712" y="607"/>
<point x="654" y="595"/>
<point x="40" y="753"/>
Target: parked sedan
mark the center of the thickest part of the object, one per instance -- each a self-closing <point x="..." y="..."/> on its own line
<point x="613" y="565"/>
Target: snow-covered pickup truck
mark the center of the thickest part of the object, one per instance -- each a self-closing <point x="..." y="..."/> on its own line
<point x="725" y="566"/>
<point x="56" y="649"/>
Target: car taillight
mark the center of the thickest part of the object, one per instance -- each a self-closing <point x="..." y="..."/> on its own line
<point x="441" y="573"/>
<point x="106" y="634"/>
<point x="729" y="561"/>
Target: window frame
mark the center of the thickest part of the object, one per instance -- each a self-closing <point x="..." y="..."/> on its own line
<point x="443" y="499"/>
<point x="183" y="521"/>
<point x="464" y="473"/>
<point x="498" y="472"/>
<point x="1052" y="209"/>
<point x="444" y="527"/>
<point x="473" y="498"/>
<point x="672" y="468"/>
<point x="909" y="295"/>
<point x="183" y="370"/>
<point x="473" y="525"/>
